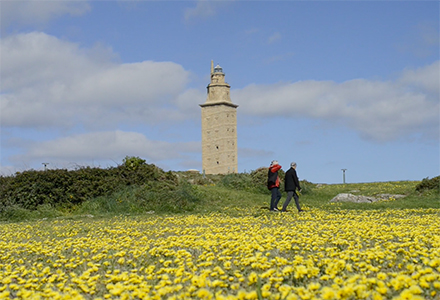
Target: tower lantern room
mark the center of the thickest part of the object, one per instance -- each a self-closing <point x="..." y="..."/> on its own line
<point x="218" y="69"/>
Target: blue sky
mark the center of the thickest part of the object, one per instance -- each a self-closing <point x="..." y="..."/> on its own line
<point x="330" y="85"/>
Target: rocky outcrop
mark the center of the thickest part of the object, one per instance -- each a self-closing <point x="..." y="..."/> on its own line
<point x="347" y="197"/>
<point x="389" y="196"/>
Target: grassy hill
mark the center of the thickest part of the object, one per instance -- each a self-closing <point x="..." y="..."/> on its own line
<point x="136" y="188"/>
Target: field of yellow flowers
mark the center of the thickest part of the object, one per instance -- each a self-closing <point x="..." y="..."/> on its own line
<point x="318" y="254"/>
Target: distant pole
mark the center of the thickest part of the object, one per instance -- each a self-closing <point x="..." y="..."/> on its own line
<point x="45" y="166"/>
<point x="343" y="175"/>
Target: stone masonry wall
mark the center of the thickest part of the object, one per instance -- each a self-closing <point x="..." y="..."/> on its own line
<point x="219" y="139"/>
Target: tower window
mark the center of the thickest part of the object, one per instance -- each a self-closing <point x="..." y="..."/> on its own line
<point x="218" y="163"/>
<point x="216" y="147"/>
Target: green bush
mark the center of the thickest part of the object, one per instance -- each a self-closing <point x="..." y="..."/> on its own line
<point x="259" y="177"/>
<point x="429" y="184"/>
<point x="132" y="163"/>
<point x="60" y="187"/>
<point x="238" y="181"/>
<point x="155" y="196"/>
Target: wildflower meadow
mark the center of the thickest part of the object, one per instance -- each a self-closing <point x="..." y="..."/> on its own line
<point x="318" y="254"/>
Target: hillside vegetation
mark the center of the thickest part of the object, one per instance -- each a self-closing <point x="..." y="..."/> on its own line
<point x="135" y="187"/>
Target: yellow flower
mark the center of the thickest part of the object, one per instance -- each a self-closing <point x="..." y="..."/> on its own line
<point x="328" y="293"/>
<point x="314" y="286"/>
<point x="300" y="271"/>
<point x="406" y="294"/>
<point x="251" y="295"/>
<point x="287" y="270"/>
<point x="252" y="278"/>
<point x="415" y="290"/>
<point x="121" y="260"/>
<point x="204" y="294"/>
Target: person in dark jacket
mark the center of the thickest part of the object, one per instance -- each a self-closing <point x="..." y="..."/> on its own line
<point x="273" y="184"/>
<point x="291" y="184"/>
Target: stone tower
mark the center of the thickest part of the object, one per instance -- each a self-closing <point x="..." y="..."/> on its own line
<point x="219" y="127"/>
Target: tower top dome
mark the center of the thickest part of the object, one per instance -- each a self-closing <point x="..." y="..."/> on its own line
<point x="218" y="69"/>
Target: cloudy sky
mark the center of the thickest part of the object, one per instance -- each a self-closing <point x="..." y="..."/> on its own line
<point x="329" y="84"/>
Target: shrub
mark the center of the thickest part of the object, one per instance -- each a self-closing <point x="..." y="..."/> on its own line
<point x="65" y="188"/>
<point x="153" y="196"/>
<point x="132" y="163"/>
<point x="238" y="181"/>
<point x="429" y="184"/>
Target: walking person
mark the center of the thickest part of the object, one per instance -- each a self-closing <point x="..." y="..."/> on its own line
<point x="291" y="184"/>
<point x="273" y="184"/>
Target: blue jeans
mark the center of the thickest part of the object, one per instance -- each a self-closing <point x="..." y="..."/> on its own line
<point x="275" y="198"/>
<point x="289" y="197"/>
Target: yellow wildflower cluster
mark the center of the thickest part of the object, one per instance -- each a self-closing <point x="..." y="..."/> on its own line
<point x="392" y="254"/>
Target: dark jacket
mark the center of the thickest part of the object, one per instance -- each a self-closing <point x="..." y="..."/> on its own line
<point x="291" y="182"/>
<point x="273" y="180"/>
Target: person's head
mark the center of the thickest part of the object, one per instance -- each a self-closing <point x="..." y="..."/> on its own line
<point x="293" y="165"/>
<point x="273" y="163"/>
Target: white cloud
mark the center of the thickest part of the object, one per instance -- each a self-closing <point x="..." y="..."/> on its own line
<point x="377" y="110"/>
<point x="103" y="146"/>
<point x="426" y="78"/>
<point x="35" y="12"/>
<point x="50" y="82"/>
<point x="188" y="100"/>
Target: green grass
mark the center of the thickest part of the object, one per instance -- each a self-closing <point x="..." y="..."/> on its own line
<point x="217" y="197"/>
<point x="321" y="195"/>
<point x="223" y="198"/>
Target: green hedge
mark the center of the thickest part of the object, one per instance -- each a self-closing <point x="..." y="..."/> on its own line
<point x="61" y="187"/>
<point x="429" y="184"/>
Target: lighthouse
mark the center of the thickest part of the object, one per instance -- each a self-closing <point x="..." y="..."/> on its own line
<point x="219" y="126"/>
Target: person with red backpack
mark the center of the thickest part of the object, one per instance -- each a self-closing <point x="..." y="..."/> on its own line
<point x="273" y="184"/>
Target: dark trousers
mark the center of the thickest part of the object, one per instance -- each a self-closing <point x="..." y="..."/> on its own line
<point x="275" y="198"/>
<point x="289" y="197"/>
